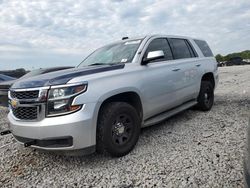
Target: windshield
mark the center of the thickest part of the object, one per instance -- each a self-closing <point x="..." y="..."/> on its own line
<point x="112" y="54"/>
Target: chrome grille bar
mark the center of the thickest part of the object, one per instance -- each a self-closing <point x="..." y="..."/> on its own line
<point x="28" y="104"/>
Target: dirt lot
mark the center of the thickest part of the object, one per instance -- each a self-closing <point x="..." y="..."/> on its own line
<point x="191" y="149"/>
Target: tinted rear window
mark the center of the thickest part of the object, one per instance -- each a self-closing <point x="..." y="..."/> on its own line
<point x="180" y="48"/>
<point x="204" y="48"/>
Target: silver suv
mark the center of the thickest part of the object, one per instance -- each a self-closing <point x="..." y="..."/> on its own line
<point x="104" y="102"/>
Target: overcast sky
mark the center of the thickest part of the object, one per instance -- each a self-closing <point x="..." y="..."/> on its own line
<point x="43" y="33"/>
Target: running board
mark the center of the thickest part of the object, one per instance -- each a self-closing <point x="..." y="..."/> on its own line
<point x="163" y="116"/>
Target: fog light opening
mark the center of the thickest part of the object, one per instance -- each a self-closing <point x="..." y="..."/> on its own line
<point x="75" y="107"/>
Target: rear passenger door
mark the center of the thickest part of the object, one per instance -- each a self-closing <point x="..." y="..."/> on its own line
<point x="185" y="59"/>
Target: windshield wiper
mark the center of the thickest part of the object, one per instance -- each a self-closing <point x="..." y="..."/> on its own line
<point x="93" y="64"/>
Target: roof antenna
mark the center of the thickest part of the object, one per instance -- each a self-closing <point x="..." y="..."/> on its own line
<point x="124" y="38"/>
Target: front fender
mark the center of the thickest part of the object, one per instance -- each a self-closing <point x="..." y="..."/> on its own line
<point x="120" y="91"/>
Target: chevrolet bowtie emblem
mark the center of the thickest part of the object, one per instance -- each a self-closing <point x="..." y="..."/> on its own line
<point x="14" y="103"/>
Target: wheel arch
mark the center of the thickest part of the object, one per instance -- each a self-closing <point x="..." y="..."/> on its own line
<point x="209" y="76"/>
<point x="131" y="97"/>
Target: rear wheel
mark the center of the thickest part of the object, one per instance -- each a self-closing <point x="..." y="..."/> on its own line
<point x="118" y="129"/>
<point x="206" y="96"/>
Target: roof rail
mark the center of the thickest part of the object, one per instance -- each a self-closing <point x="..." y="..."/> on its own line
<point x="124" y="38"/>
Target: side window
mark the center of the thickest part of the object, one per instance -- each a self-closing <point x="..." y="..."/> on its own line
<point x="160" y="44"/>
<point x="204" y="48"/>
<point x="180" y="48"/>
<point x="191" y="49"/>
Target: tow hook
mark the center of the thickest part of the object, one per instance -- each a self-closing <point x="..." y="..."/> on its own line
<point x="32" y="142"/>
<point x="5" y="132"/>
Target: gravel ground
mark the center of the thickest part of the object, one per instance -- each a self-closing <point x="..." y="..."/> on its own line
<point x="191" y="149"/>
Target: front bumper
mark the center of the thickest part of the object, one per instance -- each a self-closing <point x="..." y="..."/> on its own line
<point x="57" y="142"/>
<point x="79" y="129"/>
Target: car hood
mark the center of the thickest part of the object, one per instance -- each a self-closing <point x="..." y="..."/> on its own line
<point x="62" y="77"/>
<point x="7" y="84"/>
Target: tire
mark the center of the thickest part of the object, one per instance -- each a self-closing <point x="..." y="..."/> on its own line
<point x="118" y="129"/>
<point x="206" y="96"/>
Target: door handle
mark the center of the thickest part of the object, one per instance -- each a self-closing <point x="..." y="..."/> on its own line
<point x="177" y="69"/>
<point x="197" y="65"/>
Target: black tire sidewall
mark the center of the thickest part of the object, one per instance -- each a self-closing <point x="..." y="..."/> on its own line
<point x="115" y="110"/>
<point x="201" y="99"/>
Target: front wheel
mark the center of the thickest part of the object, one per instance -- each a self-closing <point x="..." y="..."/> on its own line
<point x="206" y="96"/>
<point x="118" y="129"/>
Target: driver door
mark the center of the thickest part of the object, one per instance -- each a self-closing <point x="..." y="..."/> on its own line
<point x="161" y="79"/>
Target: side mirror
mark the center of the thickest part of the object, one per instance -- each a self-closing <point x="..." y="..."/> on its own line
<point x="153" y="55"/>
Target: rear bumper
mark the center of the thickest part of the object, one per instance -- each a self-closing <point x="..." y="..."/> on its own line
<point x="63" y="133"/>
<point x="216" y="79"/>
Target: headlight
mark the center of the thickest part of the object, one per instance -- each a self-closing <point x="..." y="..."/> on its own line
<point x="60" y="99"/>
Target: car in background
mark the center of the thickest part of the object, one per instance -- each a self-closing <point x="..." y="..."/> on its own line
<point x="9" y="81"/>
<point x="5" y="78"/>
<point x="247" y="158"/>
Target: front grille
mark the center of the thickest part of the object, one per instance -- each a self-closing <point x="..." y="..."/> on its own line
<point x="25" y="94"/>
<point x="25" y="113"/>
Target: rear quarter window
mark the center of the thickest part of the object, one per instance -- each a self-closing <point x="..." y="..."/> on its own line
<point x="204" y="48"/>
